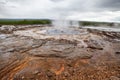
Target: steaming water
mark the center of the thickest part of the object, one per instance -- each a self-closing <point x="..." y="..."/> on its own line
<point x="65" y="23"/>
<point x="60" y="24"/>
<point x="63" y="27"/>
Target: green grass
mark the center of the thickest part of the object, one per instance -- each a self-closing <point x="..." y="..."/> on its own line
<point x="23" y="22"/>
<point x="88" y="23"/>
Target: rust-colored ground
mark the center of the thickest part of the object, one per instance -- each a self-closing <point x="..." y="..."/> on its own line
<point x="91" y="56"/>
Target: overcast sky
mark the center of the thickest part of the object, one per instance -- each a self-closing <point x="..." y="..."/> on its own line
<point x="90" y="10"/>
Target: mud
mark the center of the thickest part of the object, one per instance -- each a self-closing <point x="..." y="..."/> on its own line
<point x="35" y="53"/>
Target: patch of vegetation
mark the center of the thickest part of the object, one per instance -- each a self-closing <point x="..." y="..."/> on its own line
<point x="87" y="23"/>
<point x="23" y="22"/>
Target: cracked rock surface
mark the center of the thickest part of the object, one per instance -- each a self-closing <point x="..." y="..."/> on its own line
<point x="32" y="54"/>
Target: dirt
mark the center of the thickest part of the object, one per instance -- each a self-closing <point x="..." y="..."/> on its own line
<point x="31" y="54"/>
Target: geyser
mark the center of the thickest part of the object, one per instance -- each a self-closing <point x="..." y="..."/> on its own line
<point x="65" y="23"/>
<point x="63" y="27"/>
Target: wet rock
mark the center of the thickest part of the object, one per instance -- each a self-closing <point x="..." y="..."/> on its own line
<point x="22" y="77"/>
<point x="66" y="74"/>
<point x="114" y="78"/>
<point x="117" y="52"/>
<point x="109" y="34"/>
<point x="72" y="57"/>
<point x="7" y="28"/>
<point x="36" y="72"/>
<point x="50" y="75"/>
<point x="95" y="44"/>
<point x="92" y="47"/>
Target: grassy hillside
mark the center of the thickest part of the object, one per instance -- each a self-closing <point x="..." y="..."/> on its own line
<point x="88" y="23"/>
<point x="23" y="21"/>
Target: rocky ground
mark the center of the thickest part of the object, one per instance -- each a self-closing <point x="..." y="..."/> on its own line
<point x="31" y="53"/>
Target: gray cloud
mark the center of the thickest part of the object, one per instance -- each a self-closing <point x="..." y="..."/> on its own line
<point x="57" y="0"/>
<point x="113" y="5"/>
<point x="58" y="8"/>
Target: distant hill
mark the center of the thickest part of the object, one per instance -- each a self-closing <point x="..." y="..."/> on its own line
<point x="24" y="21"/>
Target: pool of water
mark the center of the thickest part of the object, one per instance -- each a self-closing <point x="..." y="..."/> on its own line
<point x="62" y="31"/>
<point x="110" y="29"/>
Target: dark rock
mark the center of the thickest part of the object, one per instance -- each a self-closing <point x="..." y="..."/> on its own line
<point x="117" y="52"/>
